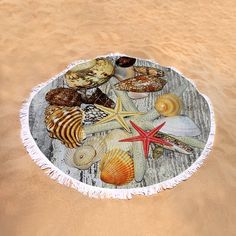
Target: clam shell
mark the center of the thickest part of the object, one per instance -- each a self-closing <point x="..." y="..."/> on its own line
<point x="87" y="154"/>
<point x="113" y="137"/>
<point x="63" y="97"/>
<point x="168" y="104"/>
<point x="90" y="77"/>
<point x="65" y="124"/>
<point x="141" y="83"/>
<point x="178" y="126"/>
<point x="116" y="167"/>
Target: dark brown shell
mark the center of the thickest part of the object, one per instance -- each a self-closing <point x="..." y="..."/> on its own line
<point x="125" y="61"/>
<point x="98" y="97"/>
<point x="141" y="83"/>
<point x="63" y="97"/>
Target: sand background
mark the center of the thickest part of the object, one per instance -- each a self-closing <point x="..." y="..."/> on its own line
<point x="39" y="38"/>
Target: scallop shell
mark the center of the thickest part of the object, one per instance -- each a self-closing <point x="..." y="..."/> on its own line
<point x="113" y="137"/>
<point x="63" y="97"/>
<point x="91" y="76"/>
<point x="141" y="83"/>
<point x="65" y="124"/>
<point x="87" y="154"/>
<point x="168" y="104"/>
<point x="116" y="167"/>
<point x="178" y="125"/>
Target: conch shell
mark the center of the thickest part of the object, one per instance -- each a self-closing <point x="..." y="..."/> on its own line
<point x="65" y="124"/>
<point x="87" y="154"/>
<point x="90" y="75"/>
<point x="168" y="104"/>
<point x="141" y="83"/>
<point x="116" y="167"/>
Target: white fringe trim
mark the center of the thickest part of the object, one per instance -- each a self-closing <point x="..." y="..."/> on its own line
<point x="96" y="192"/>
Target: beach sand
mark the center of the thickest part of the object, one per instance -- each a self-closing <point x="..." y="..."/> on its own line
<point x="38" y="39"/>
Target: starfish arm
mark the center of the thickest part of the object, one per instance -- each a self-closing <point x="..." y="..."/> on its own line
<point x="138" y="129"/>
<point x="132" y="139"/>
<point x="155" y="130"/>
<point x="122" y="122"/>
<point x="160" y="141"/>
<point x="146" y="147"/>
<point x="105" y="119"/>
<point x="126" y="113"/>
<point x="118" y="107"/>
<point x="105" y="109"/>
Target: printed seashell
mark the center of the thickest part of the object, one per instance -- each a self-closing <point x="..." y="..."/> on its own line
<point x="125" y="61"/>
<point x="168" y="104"/>
<point x="177" y="145"/>
<point x="141" y="83"/>
<point x="124" y="68"/>
<point x="144" y="70"/>
<point x="98" y="97"/>
<point x="134" y="95"/>
<point x="92" y="114"/>
<point x="113" y="137"/>
<point x="90" y="77"/>
<point x="87" y="154"/>
<point x="65" y="124"/>
<point x="63" y="97"/>
<point x="116" y="167"/>
<point x="178" y="126"/>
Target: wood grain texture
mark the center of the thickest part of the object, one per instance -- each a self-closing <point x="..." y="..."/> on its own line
<point x="168" y="166"/>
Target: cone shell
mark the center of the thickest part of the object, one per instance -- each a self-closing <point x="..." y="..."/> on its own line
<point x="144" y="70"/>
<point x="168" y="105"/>
<point x="90" y="75"/>
<point x="117" y="167"/>
<point x="87" y="154"/>
<point x="65" y="124"/>
<point x="141" y="83"/>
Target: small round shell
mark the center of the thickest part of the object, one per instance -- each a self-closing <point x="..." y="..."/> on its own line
<point x="168" y="105"/>
<point x="87" y="154"/>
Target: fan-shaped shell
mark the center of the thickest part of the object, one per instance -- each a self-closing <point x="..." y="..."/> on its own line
<point x="168" y="105"/>
<point x="178" y="125"/>
<point x="90" y="76"/>
<point x="65" y="124"/>
<point x="117" y="167"/>
<point x="87" y="154"/>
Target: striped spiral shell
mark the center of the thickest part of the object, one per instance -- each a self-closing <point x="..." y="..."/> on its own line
<point x="168" y="105"/>
<point x="117" y="167"/>
<point x="65" y="124"/>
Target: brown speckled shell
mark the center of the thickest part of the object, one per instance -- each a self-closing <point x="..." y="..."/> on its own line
<point x="141" y="83"/>
<point x="63" y="97"/>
